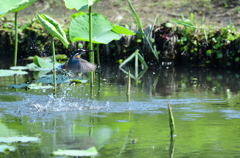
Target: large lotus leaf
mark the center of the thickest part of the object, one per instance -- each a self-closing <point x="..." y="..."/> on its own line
<point x="102" y="28"/>
<point x="53" y="27"/>
<point x="79" y="4"/>
<point x="14" y="5"/>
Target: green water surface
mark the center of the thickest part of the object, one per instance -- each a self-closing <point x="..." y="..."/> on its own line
<point x="205" y="106"/>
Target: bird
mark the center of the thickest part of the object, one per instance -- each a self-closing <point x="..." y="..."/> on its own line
<point x="76" y="64"/>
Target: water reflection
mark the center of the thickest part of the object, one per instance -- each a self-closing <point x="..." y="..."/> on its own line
<point x="204" y="105"/>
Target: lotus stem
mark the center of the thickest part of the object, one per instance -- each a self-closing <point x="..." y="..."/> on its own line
<point x="90" y="42"/>
<point x="171" y="147"/>
<point x="136" y="65"/>
<point x="171" y="121"/>
<point x="16" y="39"/>
<point x="98" y="56"/>
<point x="54" y="67"/>
<point x="129" y="86"/>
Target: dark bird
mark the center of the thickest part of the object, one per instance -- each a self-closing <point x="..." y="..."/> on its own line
<point x="78" y="65"/>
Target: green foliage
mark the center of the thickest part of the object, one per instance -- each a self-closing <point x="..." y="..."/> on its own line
<point x="103" y="30"/>
<point x="53" y="28"/>
<point x="136" y="16"/>
<point x="14" y="5"/>
<point x="122" y="30"/>
<point x="206" y="45"/>
<point x="41" y="62"/>
<point x="79" y="4"/>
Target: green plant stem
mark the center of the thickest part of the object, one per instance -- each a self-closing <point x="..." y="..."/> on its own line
<point x="16" y="39"/>
<point x="139" y="23"/>
<point x="98" y="56"/>
<point x="129" y="86"/>
<point x="171" y="121"/>
<point x="136" y="65"/>
<point x="54" y="67"/>
<point x="90" y="42"/>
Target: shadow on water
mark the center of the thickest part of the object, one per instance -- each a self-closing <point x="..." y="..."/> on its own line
<point x="204" y="103"/>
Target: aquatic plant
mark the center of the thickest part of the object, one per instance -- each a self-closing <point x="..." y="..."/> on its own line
<point x="92" y="27"/>
<point x="14" y="6"/>
<point x="136" y="56"/>
<point x="144" y="35"/>
<point x="171" y="121"/>
<point x="56" y="31"/>
<point x="205" y="45"/>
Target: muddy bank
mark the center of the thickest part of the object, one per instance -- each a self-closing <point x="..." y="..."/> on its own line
<point x="176" y="45"/>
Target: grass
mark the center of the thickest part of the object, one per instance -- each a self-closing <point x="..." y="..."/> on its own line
<point x="148" y="9"/>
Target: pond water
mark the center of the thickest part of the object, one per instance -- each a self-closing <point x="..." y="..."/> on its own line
<point x="206" y="107"/>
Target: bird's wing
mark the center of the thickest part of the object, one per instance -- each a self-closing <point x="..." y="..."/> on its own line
<point x="85" y="66"/>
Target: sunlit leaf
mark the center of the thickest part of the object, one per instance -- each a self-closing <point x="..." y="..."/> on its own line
<point x="23" y="139"/>
<point x="42" y="62"/>
<point x="53" y="28"/>
<point x="89" y="152"/>
<point x="14" y="5"/>
<point x="122" y="30"/>
<point x="79" y="4"/>
<point x="102" y="28"/>
<point x="184" y="22"/>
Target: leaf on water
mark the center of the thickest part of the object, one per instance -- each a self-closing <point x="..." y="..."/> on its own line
<point x="22" y="139"/>
<point x="88" y="152"/>
<point x="53" y="27"/>
<point x="34" y="67"/>
<point x="19" y="68"/>
<point x="14" y="5"/>
<point x="4" y="73"/>
<point x="39" y="86"/>
<point x="42" y="62"/>
<point x="18" y="86"/>
<point x="48" y="79"/>
<point x="102" y="28"/>
<point x="6" y="148"/>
